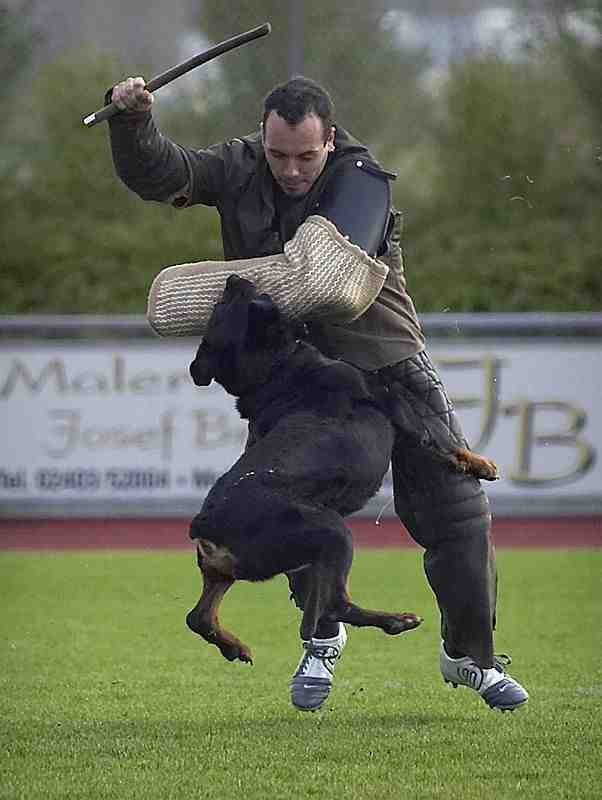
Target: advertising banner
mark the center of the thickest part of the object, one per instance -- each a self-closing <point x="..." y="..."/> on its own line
<point x="116" y="427"/>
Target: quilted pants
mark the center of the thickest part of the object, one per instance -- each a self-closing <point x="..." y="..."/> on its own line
<point x="444" y="510"/>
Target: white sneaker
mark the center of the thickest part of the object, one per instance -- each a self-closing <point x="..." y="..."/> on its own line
<point x="496" y="688"/>
<point x="312" y="680"/>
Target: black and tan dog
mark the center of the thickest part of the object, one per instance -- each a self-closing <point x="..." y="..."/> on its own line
<point x="320" y="444"/>
<point x="321" y="447"/>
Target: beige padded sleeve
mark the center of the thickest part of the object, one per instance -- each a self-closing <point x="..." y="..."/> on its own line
<point x="320" y="275"/>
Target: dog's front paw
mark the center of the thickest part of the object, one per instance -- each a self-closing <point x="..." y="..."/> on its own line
<point x="476" y="465"/>
<point x="398" y="623"/>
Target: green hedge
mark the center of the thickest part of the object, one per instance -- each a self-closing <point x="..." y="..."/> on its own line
<point x="501" y="193"/>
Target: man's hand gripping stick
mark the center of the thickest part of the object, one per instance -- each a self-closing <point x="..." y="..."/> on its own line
<point x="181" y="69"/>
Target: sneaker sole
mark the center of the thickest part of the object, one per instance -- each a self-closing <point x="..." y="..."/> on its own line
<point x="319" y="693"/>
<point x="493" y="708"/>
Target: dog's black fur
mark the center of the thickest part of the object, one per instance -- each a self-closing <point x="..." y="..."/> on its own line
<point x="320" y="448"/>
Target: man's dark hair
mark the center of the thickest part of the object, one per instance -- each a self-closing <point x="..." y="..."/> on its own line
<point x="297" y="98"/>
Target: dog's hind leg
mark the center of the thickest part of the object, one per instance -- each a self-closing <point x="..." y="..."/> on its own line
<point x="325" y="579"/>
<point x="216" y="566"/>
<point x="324" y="597"/>
<point x="388" y="622"/>
<point x="328" y="600"/>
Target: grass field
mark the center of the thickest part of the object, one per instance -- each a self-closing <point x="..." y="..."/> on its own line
<point x="105" y="694"/>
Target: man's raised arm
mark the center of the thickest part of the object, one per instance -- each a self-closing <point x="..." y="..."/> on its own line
<point x="149" y="164"/>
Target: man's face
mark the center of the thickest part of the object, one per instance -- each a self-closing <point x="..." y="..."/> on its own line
<point x="296" y="154"/>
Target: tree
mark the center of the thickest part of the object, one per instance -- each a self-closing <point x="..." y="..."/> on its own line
<point x="374" y="82"/>
<point x="511" y="222"/>
<point x="579" y="28"/>
<point x="500" y="188"/>
<point x="18" y="41"/>
<point x="76" y="239"/>
<point x="17" y="44"/>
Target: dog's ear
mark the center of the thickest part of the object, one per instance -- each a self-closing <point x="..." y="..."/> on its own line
<point x="202" y="368"/>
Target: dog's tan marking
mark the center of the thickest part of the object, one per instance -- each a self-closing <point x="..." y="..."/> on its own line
<point x="476" y="465"/>
<point x="216" y="559"/>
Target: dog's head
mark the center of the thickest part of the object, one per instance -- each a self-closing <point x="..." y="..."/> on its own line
<point x="244" y="338"/>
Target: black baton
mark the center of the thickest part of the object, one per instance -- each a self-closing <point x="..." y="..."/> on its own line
<point x="180" y="69"/>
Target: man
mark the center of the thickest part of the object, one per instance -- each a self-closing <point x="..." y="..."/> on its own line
<point x="268" y="187"/>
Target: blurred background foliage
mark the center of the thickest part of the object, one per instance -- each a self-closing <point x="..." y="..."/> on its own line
<point x="499" y="156"/>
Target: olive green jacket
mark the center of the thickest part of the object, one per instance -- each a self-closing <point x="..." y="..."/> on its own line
<point x="234" y="177"/>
